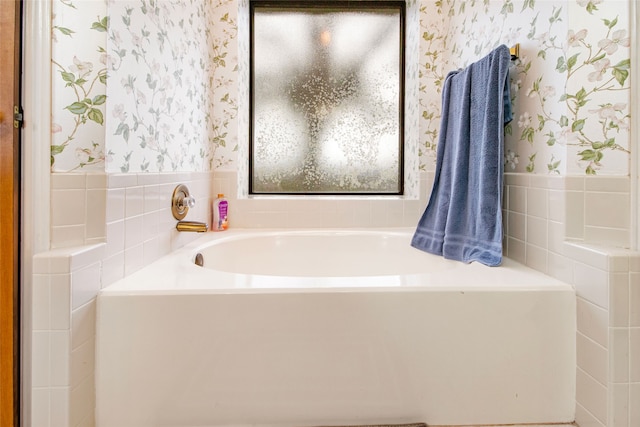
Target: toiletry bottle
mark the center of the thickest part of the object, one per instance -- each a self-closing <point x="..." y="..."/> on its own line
<point x="220" y="214"/>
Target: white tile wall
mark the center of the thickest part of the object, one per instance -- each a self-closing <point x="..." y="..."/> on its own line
<point x="575" y="204"/>
<point x="139" y="225"/>
<point x="103" y="227"/>
<point x="619" y="299"/>
<point x="585" y="419"/>
<point x="320" y="211"/>
<point x="634" y="406"/>
<point x="619" y="405"/>
<point x="63" y="335"/>
<point x="41" y="399"/>
<point x="78" y="207"/>
<point x="591" y="395"/>
<point x="129" y="215"/>
<point x="634" y="354"/>
<point x="591" y="284"/>
<point x="592" y="214"/>
<point x="536" y="258"/>
<point x="592" y="358"/>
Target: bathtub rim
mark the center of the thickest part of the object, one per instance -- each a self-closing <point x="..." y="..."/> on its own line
<point x="176" y="273"/>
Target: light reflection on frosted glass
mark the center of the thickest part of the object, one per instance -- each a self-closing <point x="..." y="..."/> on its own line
<point x="326" y="101"/>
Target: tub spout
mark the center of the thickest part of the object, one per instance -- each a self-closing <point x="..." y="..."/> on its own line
<point x="193" y="226"/>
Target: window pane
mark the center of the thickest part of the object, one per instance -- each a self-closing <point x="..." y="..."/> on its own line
<point x="326" y="100"/>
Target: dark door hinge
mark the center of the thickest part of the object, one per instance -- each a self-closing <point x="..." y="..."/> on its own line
<point x="18" y="117"/>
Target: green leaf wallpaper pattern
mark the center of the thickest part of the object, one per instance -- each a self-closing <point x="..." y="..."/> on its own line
<point x="570" y="88"/>
<point x="142" y="85"/>
<point x="79" y="85"/>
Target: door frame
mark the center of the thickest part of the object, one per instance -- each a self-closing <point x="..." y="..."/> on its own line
<point x="36" y="166"/>
<point x="634" y="145"/>
<point x="10" y="124"/>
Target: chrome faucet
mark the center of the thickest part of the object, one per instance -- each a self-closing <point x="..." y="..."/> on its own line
<point x="194" y="226"/>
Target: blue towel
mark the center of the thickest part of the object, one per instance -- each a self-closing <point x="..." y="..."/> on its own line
<point x="463" y="220"/>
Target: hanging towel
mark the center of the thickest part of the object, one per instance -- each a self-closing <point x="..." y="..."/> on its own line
<point x="463" y="220"/>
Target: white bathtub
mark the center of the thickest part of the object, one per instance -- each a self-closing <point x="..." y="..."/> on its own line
<point x="306" y="328"/>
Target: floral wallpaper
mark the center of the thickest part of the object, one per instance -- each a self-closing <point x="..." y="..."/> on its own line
<point x="153" y="85"/>
<point x="170" y="101"/>
<point x="79" y="76"/>
<point x="570" y="86"/>
<point x="169" y="109"/>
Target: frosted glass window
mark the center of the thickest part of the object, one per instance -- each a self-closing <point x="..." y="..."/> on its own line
<point x="327" y="98"/>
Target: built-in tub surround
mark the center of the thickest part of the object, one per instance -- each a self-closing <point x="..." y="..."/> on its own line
<point x="607" y="281"/>
<point x="130" y="213"/>
<point x="104" y="227"/>
<point x="234" y="343"/>
<point x="575" y="229"/>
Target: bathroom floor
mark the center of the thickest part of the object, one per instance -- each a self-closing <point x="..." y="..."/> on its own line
<point x="512" y="425"/>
